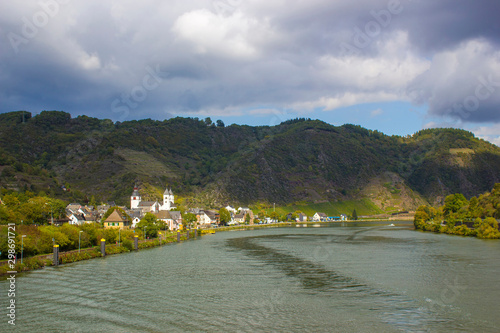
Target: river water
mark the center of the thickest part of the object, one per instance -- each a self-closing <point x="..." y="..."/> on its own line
<point x="363" y="277"/>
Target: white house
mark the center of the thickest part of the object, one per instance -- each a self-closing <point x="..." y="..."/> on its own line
<point x="204" y="219"/>
<point x="231" y="209"/>
<point x="319" y="217"/>
<point x="164" y="215"/>
<point x="239" y="218"/>
<point x="135" y="220"/>
<point x="76" y="219"/>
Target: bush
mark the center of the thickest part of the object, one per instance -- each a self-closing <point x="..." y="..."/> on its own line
<point x="488" y="229"/>
<point x="128" y="244"/>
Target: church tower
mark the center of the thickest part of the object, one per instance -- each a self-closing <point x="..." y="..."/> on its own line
<point x="135" y="199"/>
<point x="168" y="200"/>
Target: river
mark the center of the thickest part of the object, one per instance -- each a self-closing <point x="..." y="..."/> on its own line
<point x="360" y="277"/>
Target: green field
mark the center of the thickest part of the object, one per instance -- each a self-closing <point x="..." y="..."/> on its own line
<point x="363" y="207"/>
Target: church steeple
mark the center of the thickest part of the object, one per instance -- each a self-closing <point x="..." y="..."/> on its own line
<point x="135" y="198"/>
<point x="168" y="199"/>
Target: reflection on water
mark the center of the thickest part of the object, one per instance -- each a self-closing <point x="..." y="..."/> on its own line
<point x="394" y="309"/>
<point x="357" y="278"/>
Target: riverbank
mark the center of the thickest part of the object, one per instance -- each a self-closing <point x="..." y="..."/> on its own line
<point x="41" y="261"/>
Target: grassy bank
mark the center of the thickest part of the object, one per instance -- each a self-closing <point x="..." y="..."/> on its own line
<point x="40" y="261"/>
<point x="362" y="207"/>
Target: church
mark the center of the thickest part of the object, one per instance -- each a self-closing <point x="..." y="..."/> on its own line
<point x="136" y="202"/>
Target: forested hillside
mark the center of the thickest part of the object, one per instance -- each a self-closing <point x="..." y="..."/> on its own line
<point x="208" y="163"/>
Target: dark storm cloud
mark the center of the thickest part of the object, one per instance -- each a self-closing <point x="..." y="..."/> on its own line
<point x="128" y="60"/>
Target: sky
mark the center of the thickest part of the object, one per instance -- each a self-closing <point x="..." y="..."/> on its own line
<point x="396" y="66"/>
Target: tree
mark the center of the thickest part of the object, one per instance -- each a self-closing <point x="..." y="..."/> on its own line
<point x="208" y="121"/>
<point x="189" y="219"/>
<point x="453" y="203"/>
<point x="274" y="216"/>
<point x="354" y="215"/>
<point x="151" y="223"/>
<point x="225" y="216"/>
<point x="488" y="228"/>
<point x="220" y="123"/>
<point x="93" y="201"/>
<point x="247" y="219"/>
<point x="421" y="217"/>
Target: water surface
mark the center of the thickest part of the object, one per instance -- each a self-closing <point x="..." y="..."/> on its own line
<point x="352" y="278"/>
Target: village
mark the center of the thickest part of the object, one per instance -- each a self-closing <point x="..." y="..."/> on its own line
<point x="165" y="211"/>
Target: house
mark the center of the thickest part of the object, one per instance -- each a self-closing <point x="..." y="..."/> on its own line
<point x="74" y="207"/>
<point x="116" y="220"/>
<point x="207" y="217"/>
<point x="165" y="216"/>
<point x="59" y="222"/>
<point x="195" y="211"/>
<point x="239" y="218"/>
<point x="177" y="219"/>
<point x="214" y="216"/>
<point x="75" y="218"/>
<point x="102" y="209"/>
<point x="231" y="209"/>
<point x="173" y="219"/>
<point x="203" y="219"/>
<point x="135" y="220"/>
<point x="149" y="207"/>
<point x="135" y="215"/>
<point x="319" y="217"/>
<point x="90" y="218"/>
<point x="302" y="218"/>
<point x="243" y="209"/>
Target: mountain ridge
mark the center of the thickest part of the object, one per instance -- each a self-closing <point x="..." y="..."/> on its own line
<point x="300" y="160"/>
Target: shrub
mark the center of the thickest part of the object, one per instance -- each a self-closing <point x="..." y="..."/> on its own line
<point x="128" y="244"/>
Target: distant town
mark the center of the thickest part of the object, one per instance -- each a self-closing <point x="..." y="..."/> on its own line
<point x="165" y="210"/>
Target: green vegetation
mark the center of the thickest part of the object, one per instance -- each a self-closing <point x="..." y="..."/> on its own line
<point x="474" y="217"/>
<point x="151" y="225"/>
<point x="209" y="164"/>
<point x="189" y="219"/>
<point x="39" y="240"/>
<point x="354" y="215"/>
<point x="28" y="208"/>
<point x="364" y="207"/>
<point x="224" y="216"/>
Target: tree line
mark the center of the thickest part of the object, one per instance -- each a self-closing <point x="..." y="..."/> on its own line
<point x="475" y="217"/>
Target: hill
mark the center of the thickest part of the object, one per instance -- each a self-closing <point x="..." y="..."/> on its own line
<point x="299" y="161"/>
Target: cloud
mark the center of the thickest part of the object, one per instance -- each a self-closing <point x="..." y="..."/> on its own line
<point x="225" y="36"/>
<point x="376" y="113"/>
<point x="462" y="83"/>
<point x="240" y="57"/>
<point x="489" y="133"/>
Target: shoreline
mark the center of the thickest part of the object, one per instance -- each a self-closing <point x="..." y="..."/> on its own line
<point x="41" y="261"/>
